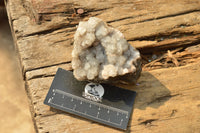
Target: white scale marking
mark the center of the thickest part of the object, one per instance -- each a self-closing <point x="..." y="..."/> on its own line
<point x="108" y="111"/>
<point x="91" y="102"/>
<point x="97" y="114"/>
<point x="88" y="115"/>
<point x="79" y="98"/>
<point x="81" y="102"/>
<point x="121" y="121"/>
<point x="54" y="93"/>
<point x="63" y="96"/>
<point x="49" y="100"/>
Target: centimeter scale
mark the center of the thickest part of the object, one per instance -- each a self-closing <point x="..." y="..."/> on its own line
<point x="102" y="103"/>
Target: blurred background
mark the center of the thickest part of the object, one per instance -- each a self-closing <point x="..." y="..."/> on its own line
<point x="14" y="109"/>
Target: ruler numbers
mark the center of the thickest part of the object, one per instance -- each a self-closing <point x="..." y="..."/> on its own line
<point x="88" y="108"/>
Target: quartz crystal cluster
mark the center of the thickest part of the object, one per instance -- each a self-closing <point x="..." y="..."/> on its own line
<point x="102" y="54"/>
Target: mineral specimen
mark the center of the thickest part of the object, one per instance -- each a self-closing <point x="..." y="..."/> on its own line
<point x="102" y="54"/>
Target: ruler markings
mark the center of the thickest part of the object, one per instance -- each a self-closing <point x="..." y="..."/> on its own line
<point x="49" y="100"/>
<point x="88" y="101"/>
<point x="108" y="111"/>
<point x="89" y="115"/>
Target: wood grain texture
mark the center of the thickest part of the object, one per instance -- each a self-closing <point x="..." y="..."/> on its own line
<point x="147" y="25"/>
<point x="168" y="99"/>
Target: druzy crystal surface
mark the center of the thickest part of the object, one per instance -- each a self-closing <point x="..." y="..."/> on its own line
<point x="102" y="54"/>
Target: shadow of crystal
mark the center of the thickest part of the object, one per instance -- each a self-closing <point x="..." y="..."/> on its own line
<point x="150" y="92"/>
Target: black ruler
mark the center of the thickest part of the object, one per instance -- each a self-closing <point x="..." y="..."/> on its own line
<point x="110" y="106"/>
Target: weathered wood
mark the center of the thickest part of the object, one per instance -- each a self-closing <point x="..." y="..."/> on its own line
<point x="168" y="100"/>
<point x="46" y="72"/>
<point x="177" y="57"/>
<point x="158" y="26"/>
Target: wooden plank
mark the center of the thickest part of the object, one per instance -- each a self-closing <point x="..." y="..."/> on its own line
<point x="45" y="50"/>
<point x="167" y="100"/>
<point x="60" y="41"/>
<point x="117" y="10"/>
<point x="116" y="14"/>
<point x="46" y="72"/>
<point x="35" y="41"/>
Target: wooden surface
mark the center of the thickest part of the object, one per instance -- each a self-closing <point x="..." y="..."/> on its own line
<point x="168" y="99"/>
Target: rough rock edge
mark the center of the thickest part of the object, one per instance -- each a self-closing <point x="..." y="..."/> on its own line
<point x="87" y="41"/>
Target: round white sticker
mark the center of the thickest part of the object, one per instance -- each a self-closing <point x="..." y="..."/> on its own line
<point x="94" y="89"/>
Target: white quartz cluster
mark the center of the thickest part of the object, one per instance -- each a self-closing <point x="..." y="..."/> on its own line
<point x="101" y="52"/>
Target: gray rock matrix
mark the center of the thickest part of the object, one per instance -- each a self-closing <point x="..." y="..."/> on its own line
<point x="102" y="54"/>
